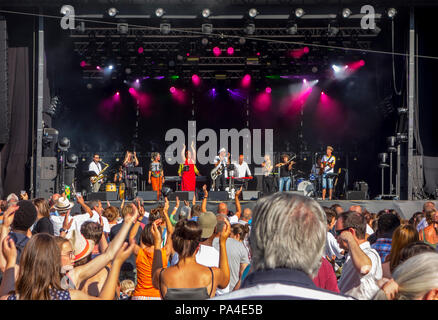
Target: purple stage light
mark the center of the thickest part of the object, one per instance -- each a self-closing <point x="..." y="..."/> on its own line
<point x="230" y="51"/>
<point x="137" y="80"/>
<point x="216" y="51"/>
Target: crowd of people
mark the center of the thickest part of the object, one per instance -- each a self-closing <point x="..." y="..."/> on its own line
<point x="287" y="247"/>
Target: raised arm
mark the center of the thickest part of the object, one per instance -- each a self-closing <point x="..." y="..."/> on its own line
<point x="8" y="281"/>
<point x="204" y="201"/>
<point x="361" y="261"/>
<point x="183" y="153"/>
<point x="222" y="274"/>
<point x="81" y="201"/>
<point x="8" y="218"/>
<point x="88" y="270"/>
<point x="136" y="162"/>
<point x="237" y="201"/>
<point x="193" y="151"/>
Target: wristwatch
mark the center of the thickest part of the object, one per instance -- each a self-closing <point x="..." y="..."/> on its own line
<point x="63" y="230"/>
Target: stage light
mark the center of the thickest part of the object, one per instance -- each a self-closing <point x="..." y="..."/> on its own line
<point x="64" y="144"/>
<point x="89" y="86"/>
<point x="322" y="93"/>
<point x="196" y="80"/>
<point x="140" y="50"/>
<point x="112" y="12"/>
<point x="165" y="28"/>
<point x="217" y="51"/>
<point x="333" y="31"/>
<point x="131" y="91"/>
<point x="206" y="13"/>
<point x="268" y="90"/>
<point x="402" y="111"/>
<point x="137" y="81"/>
<point x="314" y="69"/>
<point x="292" y="29"/>
<point x="174" y="77"/>
<point x="392" y="13"/>
<point x="361" y="63"/>
<point x="304" y="81"/>
<point x="111" y="67"/>
<point x="336" y="68"/>
<point x="172" y="90"/>
<point x="207" y="28"/>
<point x="252" y="13"/>
<point x="72" y="160"/>
<point x="117" y="93"/>
<point x="258" y="54"/>
<point x="83" y="63"/>
<point x="128" y="70"/>
<point x="299" y="12"/>
<point x="346" y="13"/>
<point x="242" y="41"/>
<point x="250" y="29"/>
<point x="97" y="68"/>
<point x="230" y="51"/>
<point x="246" y="80"/>
<point x="159" y="12"/>
<point x="306" y="49"/>
<point x="204" y="41"/>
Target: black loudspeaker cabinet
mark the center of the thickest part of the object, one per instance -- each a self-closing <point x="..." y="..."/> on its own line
<point x="182" y="195"/>
<point x="356" y="195"/>
<point x="147" y="195"/>
<point x="218" y="196"/>
<point x="250" y="195"/>
<point x="103" y="196"/>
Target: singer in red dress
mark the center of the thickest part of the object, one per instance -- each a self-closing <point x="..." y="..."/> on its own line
<point x="187" y="170"/>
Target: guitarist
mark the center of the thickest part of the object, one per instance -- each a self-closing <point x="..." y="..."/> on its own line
<point x="221" y="160"/>
<point x="285" y="172"/>
<point x="327" y="167"/>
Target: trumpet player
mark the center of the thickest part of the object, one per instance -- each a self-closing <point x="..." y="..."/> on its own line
<point x="96" y="167"/>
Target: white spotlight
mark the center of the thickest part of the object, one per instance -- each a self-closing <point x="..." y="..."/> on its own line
<point x="299" y="12"/>
<point x="206" y="13"/>
<point x="67" y="9"/>
<point x="159" y="12"/>
<point x="346" y="13"/>
<point x="111" y="67"/>
<point x="392" y="12"/>
<point x="112" y="12"/>
<point x="252" y="12"/>
<point x="336" y="68"/>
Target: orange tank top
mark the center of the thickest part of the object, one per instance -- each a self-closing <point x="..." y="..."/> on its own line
<point x="144" y="273"/>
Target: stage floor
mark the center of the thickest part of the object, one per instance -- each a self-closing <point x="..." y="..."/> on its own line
<point x="405" y="208"/>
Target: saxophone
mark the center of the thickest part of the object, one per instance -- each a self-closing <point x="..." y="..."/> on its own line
<point x="100" y="176"/>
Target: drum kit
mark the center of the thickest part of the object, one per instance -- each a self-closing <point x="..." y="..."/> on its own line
<point x="309" y="185"/>
<point x="112" y="187"/>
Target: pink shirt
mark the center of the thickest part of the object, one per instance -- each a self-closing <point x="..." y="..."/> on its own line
<point x="326" y="278"/>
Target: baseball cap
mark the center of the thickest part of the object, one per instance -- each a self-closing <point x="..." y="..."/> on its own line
<point x="207" y="221"/>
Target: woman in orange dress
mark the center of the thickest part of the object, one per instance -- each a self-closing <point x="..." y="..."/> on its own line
<point x="156" y="174"/>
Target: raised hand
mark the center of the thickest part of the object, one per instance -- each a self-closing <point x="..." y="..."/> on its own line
<point x="156" y="233"/>
<point x="125" y="251"/>
<point x="80" y="199"/>
<point x="66" y="225"/>
<point x="177" y="202"/>
<point x="238" y="192"/>
<point x="9" y="250"/>
<point x="132" y="217"/>
<point x="226" y="231"/>
<point x="186" y="203"/>
<point x="166" y="204"/>
<point x="8" y="217"/>
<point x="24" y="196"/>
<point x="204" y="188"/>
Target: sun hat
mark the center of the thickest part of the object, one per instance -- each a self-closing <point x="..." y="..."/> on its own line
<point x="207" y="221"/>
<point x="82" y="247"/>
<point x="63" y="204"/>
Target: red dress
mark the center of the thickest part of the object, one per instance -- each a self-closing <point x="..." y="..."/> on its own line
<point x="188" y="178"/>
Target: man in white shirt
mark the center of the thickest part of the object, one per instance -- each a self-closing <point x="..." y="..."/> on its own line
<point x="96" y="167"/>
<point x="362" y="268"/>
<point x="241" y="169"/>
<point x="332" y="249"/>
<point x="369" y="231"/>
<point x="221" y="160"/>
<point x="97" y="210"/>
<point x="328" y="162"/>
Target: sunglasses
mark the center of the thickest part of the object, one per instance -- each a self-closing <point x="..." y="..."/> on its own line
<point x="338" y="232"/>
<point x="69" y="254"/>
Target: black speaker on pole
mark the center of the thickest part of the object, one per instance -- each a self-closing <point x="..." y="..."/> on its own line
<point x="5" y="114"/>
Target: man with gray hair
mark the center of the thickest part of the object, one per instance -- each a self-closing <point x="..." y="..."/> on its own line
<point x="287" y="242"/>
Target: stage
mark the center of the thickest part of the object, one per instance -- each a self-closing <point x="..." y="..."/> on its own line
<point x="405" y="208"/>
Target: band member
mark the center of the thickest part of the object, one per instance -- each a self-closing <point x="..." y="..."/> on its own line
<point x="187" y="170"/>
<point x="221" y="160"/>
<point x="285" y="172"/>
<point x="268" y="178"/>
<point x="241" y="170"/>
<point x="96" y="167"/>
<point x="118" y="177"/>
<point x="130" y="161"/>
<point x="156" y="174"/>
<point x="327" y="167"/>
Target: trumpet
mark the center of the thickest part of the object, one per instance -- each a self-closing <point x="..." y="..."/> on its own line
<point x="100" y="176"/>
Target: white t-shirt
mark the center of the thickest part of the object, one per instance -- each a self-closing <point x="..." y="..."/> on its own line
<point x="208" y="256"/>
<point x="223" y="163"/>
<point x="241" y="170"/>
<point x="369" y="230"/>
<point x="361" y="287"/>
<point x="330" y="160"/>
<point x="332" y="247"/>
<point x="78" y="220"/>
<point x="234" y="219"/>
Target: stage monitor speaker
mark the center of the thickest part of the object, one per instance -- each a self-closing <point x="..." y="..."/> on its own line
<point x="356" y="195"/>
<point x="250" y="195"/>
<point x="47" y="188"/>
<point x="103" y="196"/>
<point x="218" y="196"/>
<point x="182" y="195"/>
<point x="5" y="114"/>
<point x="147" y="195"/>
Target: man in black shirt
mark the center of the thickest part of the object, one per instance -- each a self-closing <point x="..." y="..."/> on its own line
<point x="285" y="172"/>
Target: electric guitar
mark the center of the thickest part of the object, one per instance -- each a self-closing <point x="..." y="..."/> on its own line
<point x="324" y="165"/>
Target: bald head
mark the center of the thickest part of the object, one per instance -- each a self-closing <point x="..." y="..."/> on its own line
<point x="247" y="214"/>
<point x="357" y="209"/>
<point x="222" y="208"/>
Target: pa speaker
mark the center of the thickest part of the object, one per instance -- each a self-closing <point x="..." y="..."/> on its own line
<point x="218" y="195"/>
<point x="5" y="115"/>
<point x="182" y="195"/>
<point x="250" y="195"/>
<point x="103" y="196"/>
<point x="147" y="195"/>
<point x="356" y="195"/>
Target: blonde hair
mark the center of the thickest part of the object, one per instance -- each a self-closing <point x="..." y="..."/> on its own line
<point x="127" y="286"/>
<point x="402" y="236"/>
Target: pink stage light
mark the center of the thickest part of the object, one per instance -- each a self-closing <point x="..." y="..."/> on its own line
<point x="188" y="54"/>
<point x="268" y="90"/>
<point x="230" y="51"/>
<point x="140" y="50"/>
<point x="132" y="91"/>
<point x="196" y="80"/>
<point x="172" y="90"/>
<point x="246" y="81"/>
<point x="306" y="50"/>
<point x="263" y="101"/>
<point x="217" y="51"/>
<point x="322" y="93"/>
<point x="98" y="68"/>
<point x="258" y="53"/>
<point x="298" y="53"/>
<point x="83" y="63"/>
<point x="117" y="93"/>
